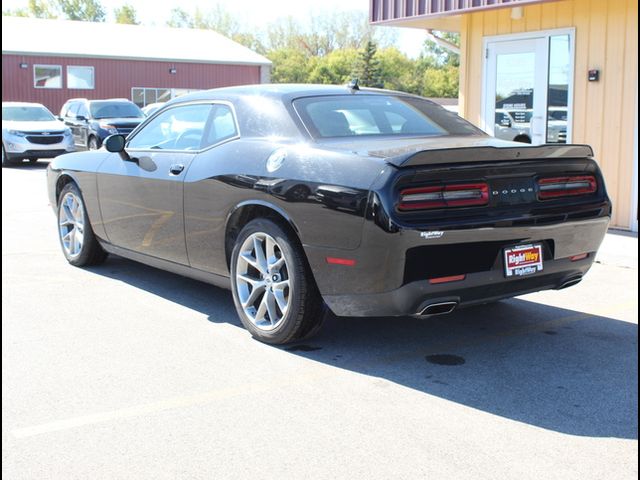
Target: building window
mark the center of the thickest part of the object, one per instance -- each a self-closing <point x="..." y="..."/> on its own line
<point x="47" y="76"/>
<point x="146" y="96"/>
<point x="80" y="77"/>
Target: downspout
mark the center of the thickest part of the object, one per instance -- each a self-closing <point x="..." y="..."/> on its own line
<point x="441" y="42"/>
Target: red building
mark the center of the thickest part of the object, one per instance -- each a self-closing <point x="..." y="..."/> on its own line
<point x="50" y="61"/>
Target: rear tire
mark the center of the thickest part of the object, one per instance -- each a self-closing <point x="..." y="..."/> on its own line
<point x="79" y="244"/>
<point x="273" y="289"/>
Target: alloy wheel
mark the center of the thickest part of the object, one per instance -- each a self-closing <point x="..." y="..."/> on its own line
<point x="71" y="224"/>
<point x="263" y="284"/>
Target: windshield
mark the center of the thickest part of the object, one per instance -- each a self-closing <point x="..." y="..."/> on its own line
<point x="115" y="110"/>
<point x="371" y="115"/>
<point x="27" y="114"/>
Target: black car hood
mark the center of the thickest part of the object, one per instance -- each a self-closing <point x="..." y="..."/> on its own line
<point x="407" y="151"/>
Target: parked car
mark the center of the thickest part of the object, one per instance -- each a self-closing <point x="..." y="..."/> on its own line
<point x="513" y="125"/>
<point x="451" y="217"/>
<point x="152" y="108"/>
<point x="557" y="125"/>
<point x="30" y="131"/>
<point x="91" y="121"/>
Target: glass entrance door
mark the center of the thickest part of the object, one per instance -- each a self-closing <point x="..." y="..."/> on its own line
<point x="528" y="89"/>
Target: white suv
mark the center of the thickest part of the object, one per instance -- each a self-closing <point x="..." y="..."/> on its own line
<point x="30" y="131"/>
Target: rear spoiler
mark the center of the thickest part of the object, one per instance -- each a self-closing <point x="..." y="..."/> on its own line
<point x="488" y="154"/>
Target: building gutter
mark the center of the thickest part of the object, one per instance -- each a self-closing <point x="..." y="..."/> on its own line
<point x="441" y="42"/>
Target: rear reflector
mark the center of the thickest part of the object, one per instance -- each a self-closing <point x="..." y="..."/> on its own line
<point x="444" y="196"/>
<point x="341" y="261"/>
<point x="566" y="186"/>
<point x="581" y="256"/>
<point x="452" y="278"/>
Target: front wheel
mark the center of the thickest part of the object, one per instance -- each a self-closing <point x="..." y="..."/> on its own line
<point x="94" y="143"/>
<point x="273" y="289"/>
<point x="77" y="239"/>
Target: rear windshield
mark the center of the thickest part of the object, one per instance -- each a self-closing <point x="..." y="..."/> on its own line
<point x="27" y="114"/>
<point x="378" y="115"/>
<point x="115" y="110"/>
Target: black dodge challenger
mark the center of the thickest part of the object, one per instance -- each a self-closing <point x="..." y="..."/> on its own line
<point x="303" y="197"/>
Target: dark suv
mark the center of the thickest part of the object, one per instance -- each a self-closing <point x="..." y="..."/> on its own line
<point x="91" y="121"/>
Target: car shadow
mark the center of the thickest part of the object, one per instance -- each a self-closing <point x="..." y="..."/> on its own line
<point x="549" y="367"/>
<point x="39" y="165"/>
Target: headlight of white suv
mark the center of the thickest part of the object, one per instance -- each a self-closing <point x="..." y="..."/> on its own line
<point x="17" y="133"/>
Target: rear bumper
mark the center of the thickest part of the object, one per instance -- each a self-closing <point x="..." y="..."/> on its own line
<point x="380" y="283"/>
<point x="476" y="288"/>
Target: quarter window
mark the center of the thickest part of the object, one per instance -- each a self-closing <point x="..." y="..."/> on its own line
<point x="47" y="76"/>
<point x="178" y="128"/>
<point x="222" y="125"/>
<point x="80" y="77"/>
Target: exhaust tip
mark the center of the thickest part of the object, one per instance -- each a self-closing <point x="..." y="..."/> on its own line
<point x="570" y="283"/>
<point x="439" y="308"/>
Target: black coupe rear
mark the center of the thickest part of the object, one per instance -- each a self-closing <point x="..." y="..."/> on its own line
<point x="302" y="198"/>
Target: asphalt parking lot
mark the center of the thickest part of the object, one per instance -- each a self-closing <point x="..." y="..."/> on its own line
<point x="124" y="371"/>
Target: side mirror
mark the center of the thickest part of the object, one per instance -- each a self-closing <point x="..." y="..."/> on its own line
<point x="60" y="118"/>
<point x="82" y="118"/>
<point x="115" y="144"/>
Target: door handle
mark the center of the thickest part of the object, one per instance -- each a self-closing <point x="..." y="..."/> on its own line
<point x="176" y="168"/>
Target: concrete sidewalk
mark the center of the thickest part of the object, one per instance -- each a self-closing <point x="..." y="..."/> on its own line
<point x="620" y="249"/>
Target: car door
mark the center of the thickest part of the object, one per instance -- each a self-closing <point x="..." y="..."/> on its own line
<point x="142" y="200"/>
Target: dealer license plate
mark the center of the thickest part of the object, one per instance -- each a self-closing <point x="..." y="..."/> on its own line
<point x="522" y="260"/>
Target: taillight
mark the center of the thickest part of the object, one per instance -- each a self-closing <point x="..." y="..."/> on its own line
<point x="444" y="196"/>
<point x="566" y="186"/>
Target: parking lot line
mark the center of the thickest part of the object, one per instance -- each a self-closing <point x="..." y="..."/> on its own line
<point x="171" y="403"/>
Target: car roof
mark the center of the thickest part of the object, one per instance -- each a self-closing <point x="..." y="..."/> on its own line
<point x="281" y="91"/>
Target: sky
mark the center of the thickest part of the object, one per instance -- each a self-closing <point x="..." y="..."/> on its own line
<point x="254" y="13"/>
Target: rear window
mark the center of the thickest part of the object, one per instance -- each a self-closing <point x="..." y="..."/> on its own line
<point x="377" y="115"/>
<point x="110" y="109"/>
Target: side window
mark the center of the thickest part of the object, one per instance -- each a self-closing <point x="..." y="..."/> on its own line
<point x="65" y="109"/>
<point x="72" y="110"/>
<point x="178" y="128"/>
<point x="82" y="110"/>
<point x="222" y="125"/>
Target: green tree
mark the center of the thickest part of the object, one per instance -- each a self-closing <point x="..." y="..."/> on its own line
<point x="367" y="68"/>
<point x="219" y="20"/>
<point x="441" y="55"/>
<point x="290" y="65"/>
<point x="126" y="14"/>
<point x="85" y="10"/>
<point x="441" y="82"/>
<point x="398" y="72"/>
<point x="334" y="68"/>
<point x="35" y="8"/>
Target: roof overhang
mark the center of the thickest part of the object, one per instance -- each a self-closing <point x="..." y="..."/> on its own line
<point x="438" y="15"/>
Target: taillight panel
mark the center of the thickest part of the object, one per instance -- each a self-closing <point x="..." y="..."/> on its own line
<point x="567" y="186"/>
<point x="444" y="196"/>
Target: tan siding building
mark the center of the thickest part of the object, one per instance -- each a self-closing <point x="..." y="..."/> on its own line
<point x="586" y="52"/>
